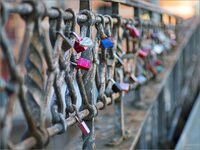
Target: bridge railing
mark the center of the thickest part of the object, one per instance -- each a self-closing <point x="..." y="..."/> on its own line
<point x="55" y="66"/>
<point x="168" y="114"/>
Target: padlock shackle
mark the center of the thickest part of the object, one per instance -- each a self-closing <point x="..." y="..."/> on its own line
<point x="113" y="81"/>
<point x="77" y="117"/>
<point x="76" y="35"/>
<point x="73" y="63"/>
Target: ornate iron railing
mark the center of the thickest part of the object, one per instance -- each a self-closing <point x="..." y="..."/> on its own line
<point x="54" y="59"/>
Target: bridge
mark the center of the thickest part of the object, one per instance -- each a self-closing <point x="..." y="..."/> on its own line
<point x="125" y="81"/>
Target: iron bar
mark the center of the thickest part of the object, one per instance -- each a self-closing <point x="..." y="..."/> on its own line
<point x="26" y="8"/>
<point x="56" y="128"/>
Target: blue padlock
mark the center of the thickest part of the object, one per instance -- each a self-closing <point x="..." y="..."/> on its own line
<point x="106" y="43"/>
<point x="154" y="35"/>
<point x="160" y="69"/>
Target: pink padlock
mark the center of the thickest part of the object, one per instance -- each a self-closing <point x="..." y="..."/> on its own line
<point x="142" y="54"/>
<point x="83" y="63"/>
<point x="82" y="126"/>
<point x="133" y="31"/>
<point x="124" y="86"/>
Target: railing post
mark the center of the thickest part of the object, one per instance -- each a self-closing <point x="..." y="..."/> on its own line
<point x="88" y="78"/>
<point x="118" y="104"/>
<point x="137" y="91"/>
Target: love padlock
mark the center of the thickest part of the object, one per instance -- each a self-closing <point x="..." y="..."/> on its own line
<point x="173" y="42"/>
<point x="133" y="31"/>
<point x="133" y="78"/>
<point x="81" y="124"/>
<point x="82" y="63"/>
<point x="158" y="48"/>
<point x="158" y="62"/>
<point x="81" y="44"/>
<point x="154" y="35"/>
<point x="160" y="69"/>
<point x="142" y="54"/>
<point x="141" y="79"/>
<point x="124" y="86"/>
<point x="152" y="69"/>
<point x="116" y="86"/>
<point x="106" y="43"/>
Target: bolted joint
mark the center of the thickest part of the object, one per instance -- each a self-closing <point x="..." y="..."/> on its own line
<point x="39" y="10"/>
<point x="102" y="98"/>
<point x="93" y="111"/>
<point x="119" y="20"/>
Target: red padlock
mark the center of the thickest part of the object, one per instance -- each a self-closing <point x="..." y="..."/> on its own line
<point x="133" y="31"/>
<point x="79" y="48"/>
<point x="158" y="62"/>
<point x="142" y="54"/>
<point x="81" y="44"/>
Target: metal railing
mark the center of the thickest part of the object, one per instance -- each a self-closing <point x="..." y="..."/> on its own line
<point x="48" y="62"/>
<point x="166" y="118"/>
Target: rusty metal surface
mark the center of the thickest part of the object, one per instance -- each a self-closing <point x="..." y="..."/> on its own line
<point x="47" y="66"/>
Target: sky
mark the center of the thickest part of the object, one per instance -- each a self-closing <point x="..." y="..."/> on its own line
<point x="184" y="8"/>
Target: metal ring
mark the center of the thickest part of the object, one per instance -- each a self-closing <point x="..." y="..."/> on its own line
<point x="93" y="111"/>
<point x="90" y="18"/>
<point x="60" y="17"/>
<point x="103" y="100"/>
<point x="119" y="20"/>
<point x="110" y="20"/>
<point x="102" y="20"/>
<point x="73" y="18"/>
<point x="37" y="10"/>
